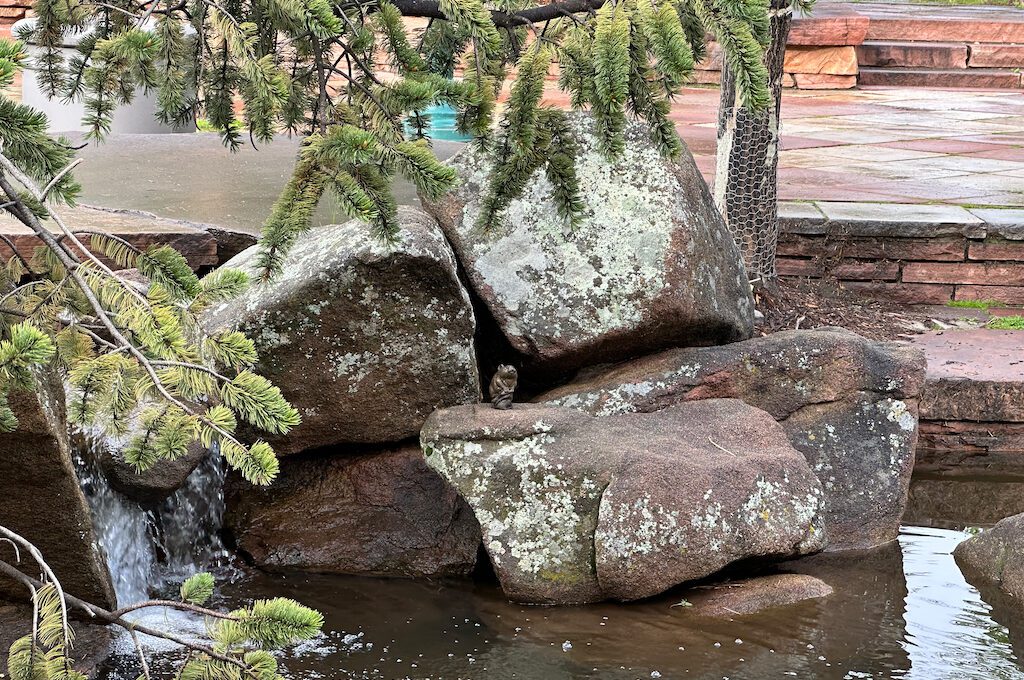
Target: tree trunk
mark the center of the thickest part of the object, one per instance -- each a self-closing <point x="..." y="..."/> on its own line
<point x="746" y="176"/>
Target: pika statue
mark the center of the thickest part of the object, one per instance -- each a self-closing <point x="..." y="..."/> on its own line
<point x="503" y="385"/>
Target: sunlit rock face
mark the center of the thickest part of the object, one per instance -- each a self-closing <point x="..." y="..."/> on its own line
<point x="575" y="508"/>
<point x="380" y="513"/>
<point x="650" y="265"/>
<point x="365" y="339"/>
<point x="847" y="403"/>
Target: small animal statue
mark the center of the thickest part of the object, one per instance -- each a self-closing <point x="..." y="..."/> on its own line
<point x="503" y="385"/>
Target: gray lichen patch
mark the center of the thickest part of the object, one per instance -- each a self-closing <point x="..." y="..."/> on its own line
<point x="649" y="263"/>
<point x="364" y="338"/>
<point x="572" y="510"/>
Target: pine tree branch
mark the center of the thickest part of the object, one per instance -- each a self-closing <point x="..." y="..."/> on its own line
<point x="173" y="604"/>
<point x="432" y="9"/>
<point x="72" y="266"/>
<point x="111" y="618"/>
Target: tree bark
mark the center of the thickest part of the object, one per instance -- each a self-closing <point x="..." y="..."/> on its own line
<point x="746" y="175"/>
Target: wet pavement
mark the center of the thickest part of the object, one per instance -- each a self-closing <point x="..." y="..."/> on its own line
<point x="874" y="146"/>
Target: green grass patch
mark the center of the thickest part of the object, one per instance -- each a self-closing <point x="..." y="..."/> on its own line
<point x="1007" y="323"/>
<point x="972" y="304"/>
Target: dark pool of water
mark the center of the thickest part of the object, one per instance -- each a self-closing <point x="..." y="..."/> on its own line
<point x="904" y="611"/>
<point x="900" y="612"/>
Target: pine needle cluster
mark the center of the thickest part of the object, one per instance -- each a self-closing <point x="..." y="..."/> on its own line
<point x="238" y="644"/>
<point x="137" y="362"/>
<point x="256" y="68"/>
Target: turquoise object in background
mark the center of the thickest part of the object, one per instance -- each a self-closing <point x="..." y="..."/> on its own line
<point x="442" y="124"/>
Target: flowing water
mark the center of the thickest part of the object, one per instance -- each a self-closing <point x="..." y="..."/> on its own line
<point x="903" y="611"/>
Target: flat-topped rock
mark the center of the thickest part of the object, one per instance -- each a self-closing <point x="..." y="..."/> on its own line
<point x="972" y="406"/>
<point x="754" y="595"/>
<point x="574" y="508"/>
<point x="141" y="229"/>
<point x="975" y="375"/>
<point x="847" y="403"/>
<point x="829" y="24"/>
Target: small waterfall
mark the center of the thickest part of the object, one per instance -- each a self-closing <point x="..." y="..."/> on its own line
<point x="151" y="549"/>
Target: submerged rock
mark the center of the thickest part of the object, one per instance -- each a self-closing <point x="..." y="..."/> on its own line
<point x="381" y="514"/>
<point x="42" y="499"/>
<point x="847" y="403"/>
<point x="754" y="595"/>
<point x="650" y="265"/>
<point x="994" y="560"/>
<point x="364" y="339"/>
<point x="576" y="509"/>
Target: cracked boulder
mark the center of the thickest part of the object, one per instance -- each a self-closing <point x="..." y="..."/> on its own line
<point x="383" y="513"/>
<point x="575" y="508"/>
<point x="847" y="403"/>
<point x="650" y="265"/>
<point x="364" y="339"/>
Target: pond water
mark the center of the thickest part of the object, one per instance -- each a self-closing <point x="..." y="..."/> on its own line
<point x="903" y="611"/>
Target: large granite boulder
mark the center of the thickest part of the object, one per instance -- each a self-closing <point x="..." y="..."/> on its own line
<point x="364" y="339"/>
<point x="650" y="265"/>
<point x="993" y="561"/>
<point x="847" y="403"/>
<point x="42" y="499"/>
<point x="380" y="514"/>
<point x="576" y="509"/>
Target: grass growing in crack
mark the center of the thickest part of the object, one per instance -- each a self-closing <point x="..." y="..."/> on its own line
<point x="1007" y="323"/>
<point x="973" y="304"/>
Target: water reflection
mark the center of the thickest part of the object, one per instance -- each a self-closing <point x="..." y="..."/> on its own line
<point x="950" y="630"/>
<point x="902" y="611"/>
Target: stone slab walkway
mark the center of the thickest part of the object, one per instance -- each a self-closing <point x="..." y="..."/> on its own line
<point x="885" y="145"/>
<point x="904" y="146"/>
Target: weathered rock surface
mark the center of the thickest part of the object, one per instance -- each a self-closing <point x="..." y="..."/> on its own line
<point x="382" y="514"/>
<point x="847" y="403"/>
<point x="994" y="559"/>
<point x="575" y="508"/>
<point x="92" y="641"/>
<point x="650" y="265"/>
<point x="148" y="487"/>
<point x="364" y="339"/>
<point x="754" y="595"/>
<point x="42" y="500"/>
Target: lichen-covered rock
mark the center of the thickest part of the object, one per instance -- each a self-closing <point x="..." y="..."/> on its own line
<point x="575" y="508"/>
<point x="380" y="514"/>
<point x="650" y="265"/>
<point x="363" y="338"/>
<point x="847" y="403"/>
<point x="994" y="560"/>
<point x="42" y="499"/>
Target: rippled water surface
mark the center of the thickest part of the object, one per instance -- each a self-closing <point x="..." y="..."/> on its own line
<point x="904" y="611"/>
<point x="901" y="612"/>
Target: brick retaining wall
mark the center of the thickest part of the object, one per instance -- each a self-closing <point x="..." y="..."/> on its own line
<point x="913" y="254"/>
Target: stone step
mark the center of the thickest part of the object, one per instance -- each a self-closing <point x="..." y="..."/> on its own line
<point x="972" y="405"/>
<point x="987" y="29"/>
<point x="944" y="55"/>
<point x="977" y="78"/>
<point x="996" y="56"/>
